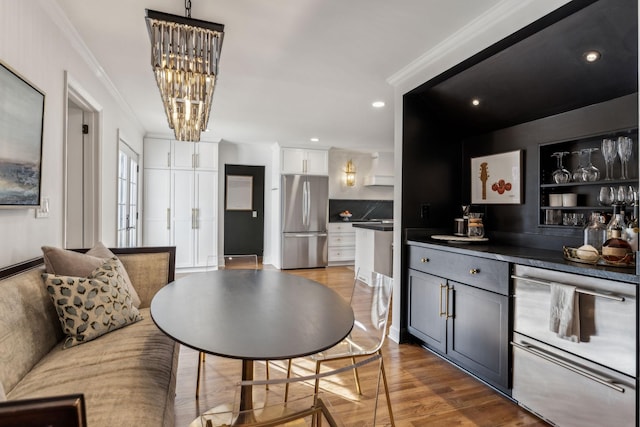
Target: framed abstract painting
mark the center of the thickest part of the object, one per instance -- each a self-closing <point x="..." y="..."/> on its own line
<point x="21" y="131"/>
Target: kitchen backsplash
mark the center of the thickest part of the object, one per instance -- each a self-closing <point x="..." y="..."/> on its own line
<point x="360" y="209"/>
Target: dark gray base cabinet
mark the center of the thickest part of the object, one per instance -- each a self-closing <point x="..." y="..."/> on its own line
<point x="466" y="324"/>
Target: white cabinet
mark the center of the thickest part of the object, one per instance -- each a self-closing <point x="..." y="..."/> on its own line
<point x="170" y="154"/>
<point x="341" y="243"/>
<point x="373" y="253"/>
<point x="180" y="200"/>
<point x="304" y="161"/>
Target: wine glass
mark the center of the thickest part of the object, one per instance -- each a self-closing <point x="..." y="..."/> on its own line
<point x="609" y="152"/>
<point x="560" y="175"/>
<point x="578" y="173"/>
<point x="590" y="173"/>
<point x="625" y="148"/>
<point x="607" y="196"/>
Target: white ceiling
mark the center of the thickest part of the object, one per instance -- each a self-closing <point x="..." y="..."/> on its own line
<point x="290" y="70"/>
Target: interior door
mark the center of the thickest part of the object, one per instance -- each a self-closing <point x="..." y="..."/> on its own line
<point x="243" y="210"/>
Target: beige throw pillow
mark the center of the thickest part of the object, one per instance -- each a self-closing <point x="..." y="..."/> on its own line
<point x="70" y="263"/>
<point x="89" y="307"/>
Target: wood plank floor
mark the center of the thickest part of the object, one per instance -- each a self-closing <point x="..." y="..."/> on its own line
<point x="425" y="390"/>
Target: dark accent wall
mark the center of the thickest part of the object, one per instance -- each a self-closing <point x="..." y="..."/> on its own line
<point x="519" y="223"/>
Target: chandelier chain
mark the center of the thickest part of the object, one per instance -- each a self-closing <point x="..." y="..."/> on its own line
<point x="187" y="8"/>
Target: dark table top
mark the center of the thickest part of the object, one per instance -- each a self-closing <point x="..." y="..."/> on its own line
<point x="252" y="314"/>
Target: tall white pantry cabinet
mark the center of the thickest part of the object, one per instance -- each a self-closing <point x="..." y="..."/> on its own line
<point x="181" y="200"/>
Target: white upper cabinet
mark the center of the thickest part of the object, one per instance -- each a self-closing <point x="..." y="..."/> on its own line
<point x="194" y="155"/>
<point x="304" y="161"/>
<point x="157" y="153"/>
<point x="165" y="154"/>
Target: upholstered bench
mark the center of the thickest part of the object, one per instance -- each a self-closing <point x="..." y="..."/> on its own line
<point x="126" y="374"/>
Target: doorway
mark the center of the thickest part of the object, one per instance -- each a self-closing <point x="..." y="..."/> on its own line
<point x="81" y="169"/>
<point x="244" y="210"/>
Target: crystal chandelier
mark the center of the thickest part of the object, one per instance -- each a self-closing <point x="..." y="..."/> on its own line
<point x="184" y="56"/>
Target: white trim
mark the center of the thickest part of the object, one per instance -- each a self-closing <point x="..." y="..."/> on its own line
<point x="75" y="93"/>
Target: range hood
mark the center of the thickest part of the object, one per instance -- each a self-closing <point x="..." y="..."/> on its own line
<point x="381" y="174"/>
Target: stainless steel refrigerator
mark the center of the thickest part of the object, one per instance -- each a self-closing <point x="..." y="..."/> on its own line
<point x="304" y="221"/>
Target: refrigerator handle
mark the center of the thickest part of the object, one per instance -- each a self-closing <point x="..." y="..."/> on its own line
<point x="305" y="204"/>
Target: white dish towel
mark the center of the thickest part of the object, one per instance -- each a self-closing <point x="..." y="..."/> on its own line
<point x="564" y="312"/>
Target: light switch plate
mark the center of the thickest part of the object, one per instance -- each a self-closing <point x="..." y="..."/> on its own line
<point x="43" y="210"/>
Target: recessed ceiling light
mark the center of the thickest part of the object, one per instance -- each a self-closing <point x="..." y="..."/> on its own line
<point x="475" y="102"/>
<point x="591" y="56"/>
<point x="378" y="104"/>
<point x="315" y="139"/>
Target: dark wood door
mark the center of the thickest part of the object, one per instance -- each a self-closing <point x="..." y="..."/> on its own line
<point x="243" y="210"/>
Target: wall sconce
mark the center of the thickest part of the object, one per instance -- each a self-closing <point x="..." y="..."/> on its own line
<point x="350" y="174"/>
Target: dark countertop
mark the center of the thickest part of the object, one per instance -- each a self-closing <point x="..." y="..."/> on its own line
<point x="543" y="258"/>
<point x="377" y="226"/>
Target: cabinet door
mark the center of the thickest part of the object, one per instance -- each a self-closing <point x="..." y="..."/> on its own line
<point x="427" y="320"/>
<point x="365" y="247"/>
<point x="293" y="160"/>
<point x="157" y="153"/>
<point x="157" y="206"/>
<point x="478" y="332"/>
<point x="206" y="189"/>
<point x="183" y="153"/>
<point x="183" y="217"/>
<point x="317" y="162"/>
<point x="207" y="156"/>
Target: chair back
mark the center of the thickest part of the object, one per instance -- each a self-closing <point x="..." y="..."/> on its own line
<point x="370" y="304"/>
<point x="240" y="262"/>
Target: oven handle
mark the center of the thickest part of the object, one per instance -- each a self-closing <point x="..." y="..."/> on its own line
<point x="579" y="290"/>
<point x="540" y="353"/>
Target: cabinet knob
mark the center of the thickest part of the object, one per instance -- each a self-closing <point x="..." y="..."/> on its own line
<point x="474" y="271"/>
<point x="423" y="260"/>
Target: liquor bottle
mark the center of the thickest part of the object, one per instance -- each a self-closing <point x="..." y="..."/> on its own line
<point x="631" y="232"/>
<point x="616" y="248"/>
<point x="595" y="232"/>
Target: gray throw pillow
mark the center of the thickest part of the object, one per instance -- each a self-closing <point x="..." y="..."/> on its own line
<point x="91" y="306"/>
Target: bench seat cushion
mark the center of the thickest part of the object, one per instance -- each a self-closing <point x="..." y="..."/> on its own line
<point x="138" y="357"/>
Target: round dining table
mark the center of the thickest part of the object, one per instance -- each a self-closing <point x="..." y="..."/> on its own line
<point x="252" y="315"/>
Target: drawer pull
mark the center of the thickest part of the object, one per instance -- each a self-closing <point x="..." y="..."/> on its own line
<point x="474" y="271"/>
<point x="540" y="353"/>
<point x="578" y="290"/>
<point x="423" y="260"/>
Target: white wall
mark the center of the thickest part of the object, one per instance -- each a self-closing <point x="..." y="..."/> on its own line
<point x="338" y="189"/>
<point x="32" y="44"/>
<point x="250" y="155"/>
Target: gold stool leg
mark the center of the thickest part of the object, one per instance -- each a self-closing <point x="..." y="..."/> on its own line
<point x="356" y="376"/>
<point x="286" y="386"/>
<point x="386" y="389"/>
<point x="201" y="356"/>
<point x="266" y="367"/>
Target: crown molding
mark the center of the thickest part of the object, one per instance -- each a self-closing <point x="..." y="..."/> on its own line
<point x="59" y="18"/>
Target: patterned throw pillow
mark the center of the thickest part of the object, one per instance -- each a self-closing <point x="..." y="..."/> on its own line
<point x="89" y="307"/>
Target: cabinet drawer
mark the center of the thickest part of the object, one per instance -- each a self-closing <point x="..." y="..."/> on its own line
<point x="482" y="273"/>
<point x="342" y="239"/>
<point x="342" y="254"/>
<point x="340" y="227"/>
